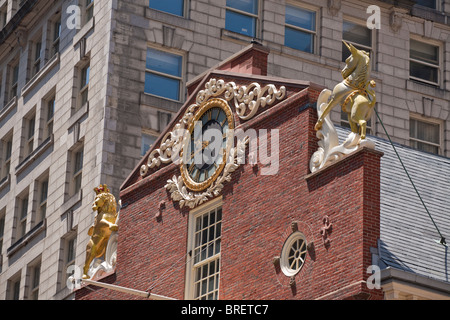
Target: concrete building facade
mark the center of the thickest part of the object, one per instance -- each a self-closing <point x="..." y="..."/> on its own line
<point x="87" y="86"/>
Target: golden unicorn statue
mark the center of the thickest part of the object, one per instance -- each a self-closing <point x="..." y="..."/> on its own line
<point x="357" y="100"/>
<point x="104" y="224"/>
<point x="353" y="93"/>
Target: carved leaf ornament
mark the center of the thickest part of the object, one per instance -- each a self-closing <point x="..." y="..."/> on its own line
<point x="247" y="101"/>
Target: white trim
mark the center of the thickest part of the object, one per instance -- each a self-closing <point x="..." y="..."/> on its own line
<point x="421" y="118"/>
<point x="211" y="205"/>
<point x="439" y="66"/>
<point x="317" y="18"/>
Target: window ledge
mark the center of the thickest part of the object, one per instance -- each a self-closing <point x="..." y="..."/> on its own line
<point x="83" y="31"/>
<point x="22" y="242"/>
<point x="234" y="36"/>
<point x="41" y="74"/>
<point x="427" y="89"/>
<point x="167" y="18"/>
<point x="7" y="109"/>
<point x="34" y="155"/>
<point x="428" y="14"/>
<point x="159" y="102"/>
<point x="80" y="113"/>
<point x="5" y="182"/>
<point x="71" y="202"/>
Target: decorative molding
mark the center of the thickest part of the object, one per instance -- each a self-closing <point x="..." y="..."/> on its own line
<point x="180" y="193"/>
<point x="334" y="6"/>
<point x="326" y="230"/>
<point x="395" y="20"/>
<point x="245" y="99"/>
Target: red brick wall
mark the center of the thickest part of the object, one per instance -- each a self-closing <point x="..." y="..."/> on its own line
<point x="257" y="213"/>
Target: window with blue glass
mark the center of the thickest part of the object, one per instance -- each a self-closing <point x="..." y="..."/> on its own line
<point x="242" y="17"/>
<point x="300" y="29"/>
<point x="175" y="7"/>
<point x="433" y="4"/>
<point x="163" y="74"/>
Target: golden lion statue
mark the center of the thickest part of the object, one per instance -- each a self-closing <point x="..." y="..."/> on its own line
<point x="105" y="223"/>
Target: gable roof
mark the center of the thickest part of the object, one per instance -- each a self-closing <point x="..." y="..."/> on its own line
<point x="409" y="240"/>
<point x="247" y="66"/>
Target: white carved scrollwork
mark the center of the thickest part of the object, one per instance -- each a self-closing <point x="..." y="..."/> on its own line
<point x="180" y="193"/>
<point x="330" y="150"/>
<point x="247" y="101"/>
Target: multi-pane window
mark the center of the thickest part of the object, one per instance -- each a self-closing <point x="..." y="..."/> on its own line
<point x="69" y="255"/>
<point x="84" y="84"/>
<point x="14" y="81"/>
<point x="22" y="216"/>
<point x="432" y="4"/>
<point x="78" y="170"/>
<point x="56" y="37"/>
<point x="2" y="231"/>
<point x="175" y="7"/>
<point x="300" y="29"/>
<point x="6" y="157"/>
<point x="50" y="113"/>
<point x="29" y="126"/>
<point x="43" y="194"/>
<point x="425" y="135"/>
<point x="89" y="9"/>
<point x="163" y="74"/>
<point x="242" y="17"/>
<point x="424" y="62"/>
<point x="147" y="142"/>
<point x="206" y="255"/>
<point x="358" y="35"/>
<point x="14" y="286"/>
<point x="37" y="46"/>
<point x="35" y="278"/>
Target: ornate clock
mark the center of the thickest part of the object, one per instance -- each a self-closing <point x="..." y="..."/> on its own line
<point x="205" y="149"/>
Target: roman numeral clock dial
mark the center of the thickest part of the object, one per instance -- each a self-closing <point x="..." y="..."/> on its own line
<point x="204" y="157"/>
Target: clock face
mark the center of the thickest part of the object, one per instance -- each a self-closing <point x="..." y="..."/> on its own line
<point x="204" y="157"/>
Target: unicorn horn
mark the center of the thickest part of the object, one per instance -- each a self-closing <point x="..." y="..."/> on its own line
<point x="348" y="46"/>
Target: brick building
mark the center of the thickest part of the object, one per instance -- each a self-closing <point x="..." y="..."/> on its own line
<point x="95" y="92"/>
<point x="236" y="244"/>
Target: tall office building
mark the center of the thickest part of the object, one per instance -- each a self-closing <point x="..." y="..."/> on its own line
<point x="86" y="86"/>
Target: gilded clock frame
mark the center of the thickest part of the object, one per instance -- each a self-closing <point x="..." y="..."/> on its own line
<point x="212" y="103"/>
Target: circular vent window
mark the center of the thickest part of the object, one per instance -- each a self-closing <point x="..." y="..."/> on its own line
<point x="293" y="254"/>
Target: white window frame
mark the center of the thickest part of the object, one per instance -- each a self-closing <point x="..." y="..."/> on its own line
<point x="180" y="79"/>
<point x="315" y="33"/>
<point x="434" y="121"/>
<point x="6" y="156"/>
<point x="14" y="81"/>
<point x="370" y="49"/>
<point x="56" y="25"/>
<point x="37" y="56"/>
<point x="43" y="196"/>
<point x="439" y="67"/>
<point x="30" y="128"/>
<point x="438" y="6"/>
<point x="84" y="87"/>
<point x="22" y="215"/>
<point x="49" y="104"/>
<point x="256" y="16"/>
<point x="185" y="9"/>
<point x="191" y="268"/>
<point x="88" y="10"/>
<point x="35" y="275"/>
<point x="77" y="172"/>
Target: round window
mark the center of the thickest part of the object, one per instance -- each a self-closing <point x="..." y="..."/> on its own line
<point x="293" y="255"/>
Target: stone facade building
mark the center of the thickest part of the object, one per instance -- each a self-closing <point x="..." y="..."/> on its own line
<point x="87" y="86"/>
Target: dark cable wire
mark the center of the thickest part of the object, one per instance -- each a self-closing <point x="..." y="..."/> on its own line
<point x="442" y="241"/>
